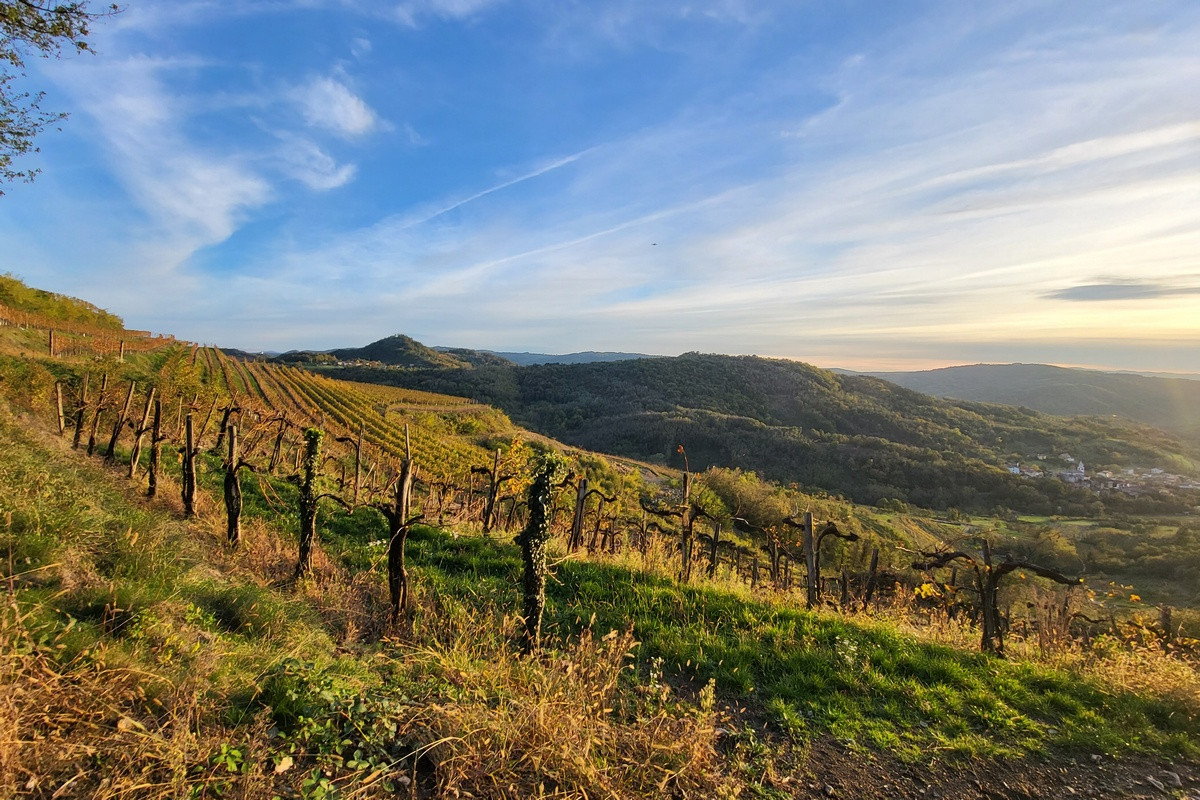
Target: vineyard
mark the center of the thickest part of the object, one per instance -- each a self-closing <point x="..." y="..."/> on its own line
<point x="799" y="607"/>
<point x="263" y="391"/>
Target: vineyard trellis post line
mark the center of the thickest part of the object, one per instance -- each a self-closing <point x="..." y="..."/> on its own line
<point x="688" y="512"/>
<point x="357" y="441"/>
<point x="575" y="540"/>
<point x="812" y="540"/>
<point x="495" y="481"/>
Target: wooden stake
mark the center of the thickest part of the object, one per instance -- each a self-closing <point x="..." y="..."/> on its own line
<point x="156" y="440"/>
<point x="189" y="469"/>
<point x="80" y="411"/>
<point x="810" y="561"/>
<point x="233" y="490"/>
<point x="58" y="402"/>
<point x="91" y="447"/>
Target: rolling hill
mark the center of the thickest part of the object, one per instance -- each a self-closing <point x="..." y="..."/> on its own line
<point x="1172" y="404"/>
<point x="855" y="435"/>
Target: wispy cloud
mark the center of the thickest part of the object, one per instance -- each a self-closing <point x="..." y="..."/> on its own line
<point x="189" y="190"/>
<point x="413" y="12"/>
<point x="328" y="103"/>
<point x="304" y="160"/>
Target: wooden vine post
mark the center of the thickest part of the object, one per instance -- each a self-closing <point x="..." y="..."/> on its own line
<point x="599" y="517"/>
<point x="813" y="583"/>
<point x="80" y="412"/>
<point x="400" y="520"/>
<point x="357" y="441"/>
<point x="812" y="540"/>
<point x="91" y="446"/>
<point x="533" y="541"/>
<point x="575" y="540"/>
<point x="156" y="439"/>
<point x="111" y="452"/>
<point x="988" y="573"/>
<point x="58" y="403"/>
<point x="872" y="578"/>
<point x="277" y="450"/>
<point x="223" y="431"/>
<point x="139" y="431"/>
<point x="713" y="553"/>
<point x="233" y="488"/>
<point x="188" y="487"/>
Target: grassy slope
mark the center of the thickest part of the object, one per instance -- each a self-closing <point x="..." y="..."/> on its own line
<point x="115" y="594"/>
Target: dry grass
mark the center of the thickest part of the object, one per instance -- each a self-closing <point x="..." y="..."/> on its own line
<point x="560" y="726"/>
<point x="85" y="730"/>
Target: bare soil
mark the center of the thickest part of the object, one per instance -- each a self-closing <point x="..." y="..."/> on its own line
<point x="830" y="770"/>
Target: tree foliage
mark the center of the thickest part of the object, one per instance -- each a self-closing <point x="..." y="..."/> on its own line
<point x="46" y="29"/>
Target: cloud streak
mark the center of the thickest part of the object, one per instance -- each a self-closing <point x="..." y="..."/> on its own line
<point x="1121" y="290"/>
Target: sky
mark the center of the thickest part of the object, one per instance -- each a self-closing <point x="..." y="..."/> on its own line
<point x="866" y="185"/>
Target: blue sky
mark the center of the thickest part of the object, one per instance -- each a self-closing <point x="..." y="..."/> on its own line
<point x="855" y="184"/>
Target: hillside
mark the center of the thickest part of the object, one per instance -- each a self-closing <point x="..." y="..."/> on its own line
<point x="392" y="351"/>
<point x="858" y="436"/>
<point x="162" y="663"/>
<point x="397" y="351"/>
<point x="66" y="312"/>
<point x="164" y="659"/>
<point x="1172" y="404"/>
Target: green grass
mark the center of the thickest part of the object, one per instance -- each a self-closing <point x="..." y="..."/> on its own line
<point x="810" y="674"/>
<point x="817" y="674"/>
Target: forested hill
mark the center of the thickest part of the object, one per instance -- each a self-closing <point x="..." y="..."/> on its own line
<point x="854" y="435"/>
<point x="1172" y="404"/>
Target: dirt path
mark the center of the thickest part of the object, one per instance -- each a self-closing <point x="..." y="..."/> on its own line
<point x="832" y="771"/>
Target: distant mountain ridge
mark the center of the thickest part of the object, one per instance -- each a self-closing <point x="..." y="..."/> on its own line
<point x="1172" y="404"/>
<point x="585" y="357"/>
<point x="404" y="351"/>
